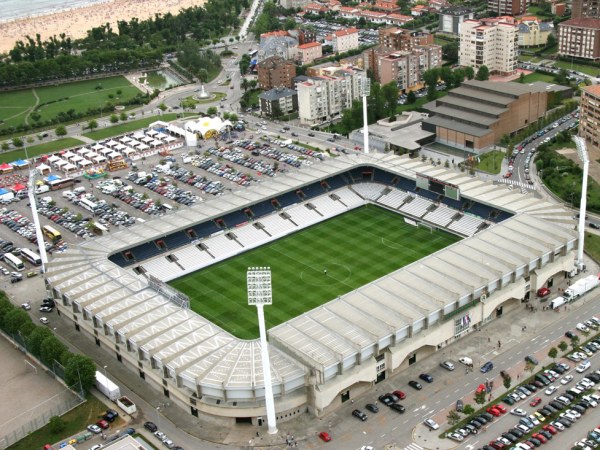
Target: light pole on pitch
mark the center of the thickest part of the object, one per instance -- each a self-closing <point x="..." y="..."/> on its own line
<point x="258" y="282"/>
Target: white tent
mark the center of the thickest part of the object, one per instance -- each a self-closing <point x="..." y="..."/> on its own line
<point x="143" y="147"/>
<point x="119" y="147"/>
<point x="147" y="139"/>
<point x="84" y="163"/>
<point x="53" y="159"/>
<point x="170" y="139"/>
<point x="43" y="169"/>
<point x="75" y="159"/>
<point x="114" y="155"/>
<point x="128" y="151"/>
<point x="151" y="132"/>
<point x="160" y="136"/>
<point x="155" y="143"/>
<point x="125" y="139"/>
<point x="98" y="159"/>
<point x="138" y="135"/>
<point x="97" y="146"/>
<point x="135" y="143"/>
<point x="68" y="155"/>
<point x="106" y="151"/>
<point x="82" y="151"/>
<point x="69" y="167"/>
<point x="61" y="163"/>
<point x="91" y="155"/>
<point x="111" y="143"/>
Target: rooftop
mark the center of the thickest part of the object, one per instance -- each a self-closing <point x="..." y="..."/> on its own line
<point x="277" y="93"/>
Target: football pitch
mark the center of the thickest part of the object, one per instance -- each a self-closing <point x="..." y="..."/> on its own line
<point x="310" y="267"/>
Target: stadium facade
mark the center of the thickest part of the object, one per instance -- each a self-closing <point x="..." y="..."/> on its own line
<point x="513" y="244"/>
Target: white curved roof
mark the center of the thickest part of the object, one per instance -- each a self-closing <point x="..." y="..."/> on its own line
<point x="206" y="124"/>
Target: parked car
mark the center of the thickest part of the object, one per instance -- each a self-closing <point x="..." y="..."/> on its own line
<point x="447" y="365"/>
<point x="426" y="377"/>
<point x="372" y="407"/>
<point x="325" y="436"/>
<point x="487" y="367"/>
<point x="360" y="415"/>
<point x="415" y="385"/>
<point x="532" y="360"/>
<point x="431" y="424"/>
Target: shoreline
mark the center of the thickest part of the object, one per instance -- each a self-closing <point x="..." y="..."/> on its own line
<point x="75" y="22"/>
<point x="51" y="11"/>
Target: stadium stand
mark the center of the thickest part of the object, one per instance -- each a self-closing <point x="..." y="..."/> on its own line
<point x="369" y="191"/>
<point x="417" y="207"/>
<point x="349" y="198"/>
<point x="394" y="199"/>
<point x="277" y="226"/>
<point x="466" y="225"/>
<point x="327" y="206"/>
<point x="441" y="216"/>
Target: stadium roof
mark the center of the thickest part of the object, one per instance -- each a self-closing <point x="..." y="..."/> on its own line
<point x="201" y="354"/>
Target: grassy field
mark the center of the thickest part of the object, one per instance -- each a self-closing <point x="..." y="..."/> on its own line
<point x="16" y="107"/>
<point x="535" y="76"/>
<point x="491" y="162"/>
<point x="592" y="245"/>
<point x="589" y="70"/>
<point x="75" y="420"/>
<point x="355" y="249"/>
<point x="40" y="149"/>
<point x="133" y="125"/>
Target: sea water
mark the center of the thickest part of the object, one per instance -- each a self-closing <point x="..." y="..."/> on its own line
<point x="18" y="9"/>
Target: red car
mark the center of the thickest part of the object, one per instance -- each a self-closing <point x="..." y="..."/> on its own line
<point x="401" y="395"/>
<point x="102" y="424"/>
<point x="536" y="401"/>
<point x="480" y="388"/>
<point x="540" y="437"/>
<point x="543" y="292"/>
<point x="493" y="411"/>
<point x="508" y="175"/>
<point x="550" y="429"/>
<point x="500" y="408"/>
<point x="325" y="436"/>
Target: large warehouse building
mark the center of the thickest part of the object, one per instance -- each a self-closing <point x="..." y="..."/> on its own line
<point x="513" y="243"/>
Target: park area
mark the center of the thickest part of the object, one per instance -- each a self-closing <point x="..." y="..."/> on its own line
<point x="39" y="105"/>
<point x="310" y="267"/>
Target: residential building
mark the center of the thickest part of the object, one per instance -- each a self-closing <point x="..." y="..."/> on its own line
<point x="476" y="115"/>
<point x="325" y="97"/>
<point x="295" y="4"/>
<point x="533" y="32"/>
<point x="303" y="35"/>
<point x="438" y="5"/>
<point x="277" y="43"/>
<point x="344" y="40"/>
<point x="278" y="102"/>
<point x="493" y="42"/>
<point x="399" y="19"/>
<point x="374" y="16"/>
<point x="507" y="7"/>
<point x="394" y="39"/>
<point x="406" y="67"/>
<point x="452" y="17"/>
<point x="315" y="8"/>
<point x="579" y="38"/>
<point x="585" y="8"/>
<point x="386" y="6"/>
<point x="558" y="9"/>
<point x="275" y="72"/>
<point x="307" y="53"/>
<point x="589" y="118"/>
<point x="419" y="10"/>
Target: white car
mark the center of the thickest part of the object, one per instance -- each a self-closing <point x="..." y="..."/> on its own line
<point x="550" y="390"/>
<point x="534" y="420"/>
<point x="94" y="429"/>
<point x="574" y="356"/>
<point x="566" y="379"/>
<point x="559" y="426"/>
<point x="431" y="424"/>
<point x="96" y="447"/>
<point x="465" y="360"/>
<point x="26" y="306"/>
<point x="592" y="402"/>
<point x="455" y="436"/>
<point x="582" y="327"/>
<point x="44" y="320"/>
<point x="583" y="366"/>
<point x="447" y="365"/>
<point x="518" y="412"/>
<point x="160" y="435"/>
<point x="587" y="383"/>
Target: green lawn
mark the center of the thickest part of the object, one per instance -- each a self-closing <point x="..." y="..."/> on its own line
<point x="491" y="162"/>
<point x="75" y="420"/>
<point x="355" y="248"/>
<point x="78" y="96"/>
<point x="587" y="69"/>
<point x="536" y="76"/>
<point x="35" y="150"/>
<point x="419" y="103"/>
<point x="592" y="245"/>
<point x="133" y="125"/>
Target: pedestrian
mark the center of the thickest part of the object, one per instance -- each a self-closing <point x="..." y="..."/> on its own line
<point x="352" y="401"/>
<point x="325" y="271"/>
<point x="257" y="435"/>
<point x="499" y="344"/>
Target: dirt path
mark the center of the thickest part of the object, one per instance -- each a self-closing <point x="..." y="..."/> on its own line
<point x="32" y="108"/>
<point x="594" y="155"/>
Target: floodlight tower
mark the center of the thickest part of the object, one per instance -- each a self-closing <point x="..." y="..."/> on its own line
<point x="34" y="213"/>
<point x="366" y="91"/>
<point x="258" y="282"/>
<point x="583" y="156"/>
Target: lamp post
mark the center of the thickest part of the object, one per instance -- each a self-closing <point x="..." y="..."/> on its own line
<point x="583" y="155"/>
<point x="158" y="416"/>
<point x="366" y="91"/>
<point x="258" y="282"/>
<point x="104" y="367"/>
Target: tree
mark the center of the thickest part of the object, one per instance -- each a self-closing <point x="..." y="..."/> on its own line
<point x="244" y="63"/>
<point x="480" y="397"/>
<point x="212" y="110"/>
<point x="57" y="425"/>
<point x="35" y="339"/>
<point x="468" y="410"/>
<point x="14" y="320"/>
<point x="114" y="118"/>
<point x="469" y="72"/>
<point x="458" y="76"/>
<point x="446" y="76"/>
<point x="522" y="78"/>
<point x="453" y="417"/>
<point x="52" y="349"/>
<point x="483" y="73"/>
<point x="575" y="342"/>
<point x="553" y="352"/>
<point x="92" y="124"/>
<point x="411" y="98"/>
<point x="5" y="146"/>
<point x="233" y="117"/>
<point x="80" y="367"/>
<point x="529" y="367"/>
<point x="17" y="142"/>
<point x="162" y="107"/>
<point x="507" y="381"/>
<point x="563" y="346"/>
<point x="562" y="77"/>
<point x="551" y="41"/>
<point x="60" y="130"/>
<point x="123" y="116"/>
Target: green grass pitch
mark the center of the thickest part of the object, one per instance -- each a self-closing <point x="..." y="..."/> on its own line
<point x="355" y="249"/>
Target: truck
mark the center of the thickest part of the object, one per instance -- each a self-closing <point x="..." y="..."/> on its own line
<point x="557" y="302"/>
<point x="107" y="387"/>
<point x="126" y="405"/>
<point x="580" y="287"/>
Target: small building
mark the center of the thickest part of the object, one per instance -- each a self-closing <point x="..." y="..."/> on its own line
<point x="452" y="17"/>
<point x="307" y="53"/>
<point x="386" y="6"/>
<point x="344" y="40"/>
<point x="558" y="9"/>
<point x="419" y="10"/>
<point x="533" y="32"/>
<point x="278" y="102"/>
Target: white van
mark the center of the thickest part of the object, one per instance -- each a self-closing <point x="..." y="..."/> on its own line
<point x="465" y="360"/>
<point x="79" y="190"/>
<point x="42" y="189"/>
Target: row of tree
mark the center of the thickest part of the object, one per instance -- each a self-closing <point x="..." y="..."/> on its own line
<point x="44" y="345"/>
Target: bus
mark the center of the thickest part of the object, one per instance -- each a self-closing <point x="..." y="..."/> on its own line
<point x="88" y="204"/>
<point x="14" y="262"/>
<point x="252" y="53"/>
<point x="31" y="256"/>
<point x="61" y="183"/>
<point x="51" y="233"/>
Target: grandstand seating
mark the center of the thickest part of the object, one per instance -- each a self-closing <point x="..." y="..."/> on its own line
<point x="287" y="199"/>
<point x="145" y="251"/>
<point x="417" y="207"/>
<point x="300" y="214"/>
<point x="349" y="198"/>
<point x="441" y="216"/>
<point x="276" y="225"/>
<point x="336" y="182"/>
<point x="394" y="199"/>
<point x="467" y="225"/>
<point x="405" y="184"/>
<point x="383" y="177"/>
<point x="250" y="236"/>
<point x="176" y="240"/>
<point x="369" y="191"/>
<point x="162" y="268"/>
<point x="262" y="209"/>
<point x="205" y="229"/>
<point x="235" y="218"/>
<point x="327" y="206"/>
<point x="222" y="245"/>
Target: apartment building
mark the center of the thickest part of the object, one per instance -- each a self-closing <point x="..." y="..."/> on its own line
<point x="491" y="42"/>
<point x="507" y="7"/>
<point x="452" y="17"/>
<point x="278" y="102"/>
<point x="275" y="72"/>
<point x="585" y="8"/>
<point x="533" y="32"/>
<point x="307" y="53"/>
<point x="406" y="67"/>
<point x="589" y="118"/>
<point x="394" y="39"/>
<point x="344" y="40"/>
<point x="324" y="97"/>
<point x="579" y="38"/>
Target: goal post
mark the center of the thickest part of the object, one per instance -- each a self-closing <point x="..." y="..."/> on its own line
<point x="426" y="226"/>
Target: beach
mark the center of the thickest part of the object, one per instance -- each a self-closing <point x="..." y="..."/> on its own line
<point x="77" y="21"/>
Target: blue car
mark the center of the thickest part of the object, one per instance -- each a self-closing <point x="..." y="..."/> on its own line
<point x="487" y="367"/>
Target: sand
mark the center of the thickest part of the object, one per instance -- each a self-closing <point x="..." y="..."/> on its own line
<point x="75" y="23"/>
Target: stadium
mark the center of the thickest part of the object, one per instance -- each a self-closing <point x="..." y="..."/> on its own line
<point x="378" y="261"/>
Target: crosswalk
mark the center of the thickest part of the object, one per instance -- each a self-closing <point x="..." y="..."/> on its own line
<point x="413" y="446"/>
<point x="517" y="184"/>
